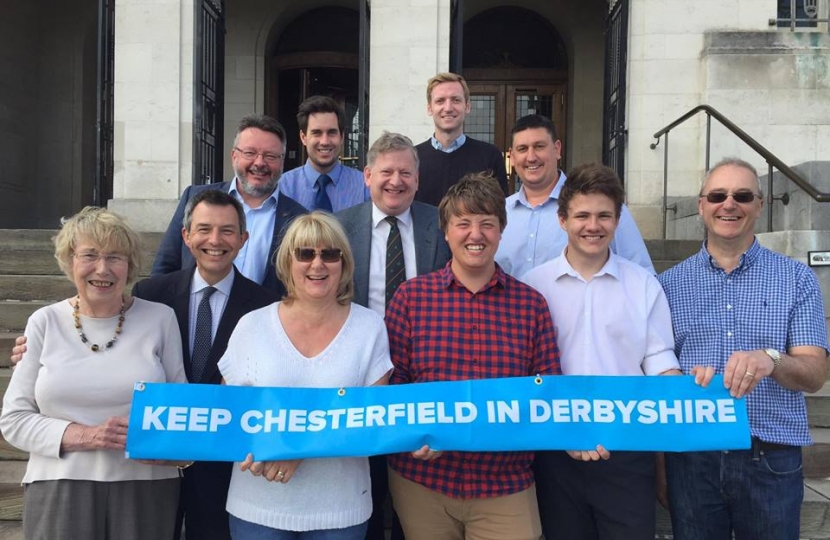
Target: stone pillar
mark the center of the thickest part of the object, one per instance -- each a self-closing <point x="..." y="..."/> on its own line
<point x="409" y="44"/>
<point x="153" y="109"/>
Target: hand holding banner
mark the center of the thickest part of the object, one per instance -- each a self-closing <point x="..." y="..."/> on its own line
<point x="225" y="423"/>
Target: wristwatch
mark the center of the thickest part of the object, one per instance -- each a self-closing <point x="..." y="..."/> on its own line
<point x="776" y="357"/>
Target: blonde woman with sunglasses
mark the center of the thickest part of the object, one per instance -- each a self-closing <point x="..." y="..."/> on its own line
<point x="314" y="337"/>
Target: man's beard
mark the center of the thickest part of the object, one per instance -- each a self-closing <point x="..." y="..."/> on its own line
<point x="263" y="190"/>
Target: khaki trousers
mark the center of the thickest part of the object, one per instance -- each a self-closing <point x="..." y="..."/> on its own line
<point x="428" y="515"/>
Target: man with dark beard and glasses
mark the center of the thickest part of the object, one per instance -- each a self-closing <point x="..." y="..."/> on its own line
<point x="257" y="157"/>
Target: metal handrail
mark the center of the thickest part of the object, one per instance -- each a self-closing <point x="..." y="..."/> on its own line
<point x="771" y="159"/>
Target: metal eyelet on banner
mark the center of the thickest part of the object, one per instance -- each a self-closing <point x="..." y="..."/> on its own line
<point x="538" y="379"/>
<point x="341" y="392"/>
<point x="139" y="386"/>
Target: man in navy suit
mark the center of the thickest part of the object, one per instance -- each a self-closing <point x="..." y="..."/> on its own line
<point x="392" y="177"/>
<point x="214" y="233"/>
<point x="257" y="157"/>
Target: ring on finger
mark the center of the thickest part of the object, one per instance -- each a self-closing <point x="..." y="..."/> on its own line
<point x="748" y="374"/>
<point x="280" y="475"/>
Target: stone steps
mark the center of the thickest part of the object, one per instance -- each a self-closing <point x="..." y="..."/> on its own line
<point x="667" y="253"/>
<point x="11" y="530"/>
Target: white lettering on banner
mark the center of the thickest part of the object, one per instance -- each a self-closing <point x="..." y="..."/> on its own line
<point x="184" y="419"/>
<point x="300" y="420"/>
<point x="599" y="411"/>
<point x="605" y="411"/>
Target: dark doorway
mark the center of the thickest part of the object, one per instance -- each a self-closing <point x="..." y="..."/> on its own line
<point x="516" y="64"/>
<point x="302" y="65"/>
<point x="614" y="131"/>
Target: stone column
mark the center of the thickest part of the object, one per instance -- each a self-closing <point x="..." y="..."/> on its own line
<point x="153" y="109"/>
<point x="409" y="44"/>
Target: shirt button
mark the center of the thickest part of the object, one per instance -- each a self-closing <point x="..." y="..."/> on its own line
<point x="729" y="334"/>
<point x="475" y="327"/>
<point x="532" y="235"/>
<point x="728" y="306"/>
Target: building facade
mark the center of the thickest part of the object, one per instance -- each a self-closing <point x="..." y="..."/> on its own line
<point x="127" y="102"/>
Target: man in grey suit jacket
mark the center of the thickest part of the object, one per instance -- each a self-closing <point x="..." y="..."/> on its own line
<point x="392" y="177"/>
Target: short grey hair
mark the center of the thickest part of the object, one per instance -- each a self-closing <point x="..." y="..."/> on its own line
<point x="390" y="142"/>
<point x="733" y="162"/>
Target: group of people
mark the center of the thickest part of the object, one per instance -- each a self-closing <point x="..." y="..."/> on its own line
<point x="329" y="278"/>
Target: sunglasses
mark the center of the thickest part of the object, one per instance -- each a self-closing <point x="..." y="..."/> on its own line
<point x="741" y="197"/>
<point x="328" y="255"/>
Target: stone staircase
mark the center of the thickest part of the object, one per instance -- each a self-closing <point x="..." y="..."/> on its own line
<point x="30" y="278"/>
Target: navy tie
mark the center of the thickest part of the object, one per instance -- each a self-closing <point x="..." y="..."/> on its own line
<point x="395" y="268"/>
<point x="203" y="339"/>
<point x="321" y="200"/>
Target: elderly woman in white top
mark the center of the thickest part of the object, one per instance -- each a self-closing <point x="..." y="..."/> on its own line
<point x="314" y="337"/>
<point x="68" y="400"/>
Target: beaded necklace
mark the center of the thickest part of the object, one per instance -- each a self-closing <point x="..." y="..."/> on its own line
<point x="94" y="346"/>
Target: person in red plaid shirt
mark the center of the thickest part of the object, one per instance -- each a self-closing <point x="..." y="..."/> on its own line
<point x="469" y="320"/>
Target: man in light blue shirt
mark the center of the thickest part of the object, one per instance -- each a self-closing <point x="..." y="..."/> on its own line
<point x="257" y="154"/>
<point x="323" y="183"/>
<point x="533" y="234"/>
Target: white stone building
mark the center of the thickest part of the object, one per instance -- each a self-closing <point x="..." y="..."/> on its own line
<point x="73" y="131"/>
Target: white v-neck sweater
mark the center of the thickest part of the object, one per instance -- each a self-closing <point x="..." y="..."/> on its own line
<point x="330" y="493"/>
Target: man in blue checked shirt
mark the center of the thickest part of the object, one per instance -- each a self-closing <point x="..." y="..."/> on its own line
<point x="757" y="318"/>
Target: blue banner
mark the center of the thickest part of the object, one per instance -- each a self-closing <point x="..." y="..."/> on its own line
<point x="224" y="423"/>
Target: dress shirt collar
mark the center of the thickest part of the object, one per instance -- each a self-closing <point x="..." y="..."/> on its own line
<point x="455" y="145"/>
<point x="310" y="174"/>
<point x="271" y="200"/>
<point x="747" y="259"/>
<point x="521" y="196"/>
<point x="448" y="278"/>
<point x="378" y="216"/>
<point x="224" y="285"/>
<point x="561" y="267"/>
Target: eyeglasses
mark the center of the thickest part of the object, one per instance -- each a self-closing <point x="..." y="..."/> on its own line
<point x="269" y="157"/>
<point x="111" y="259"/>
<point x="740" y="197"/>
<point x="328" y="255"/>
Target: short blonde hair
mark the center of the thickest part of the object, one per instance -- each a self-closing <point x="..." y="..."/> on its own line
<point x="311" y="230"/>
<point x="447" y="77"/>
<point x="103" y="228"/>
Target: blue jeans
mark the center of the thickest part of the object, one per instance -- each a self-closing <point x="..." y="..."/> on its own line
<point x="245" y="530"/>
<point x="755" y="495"/>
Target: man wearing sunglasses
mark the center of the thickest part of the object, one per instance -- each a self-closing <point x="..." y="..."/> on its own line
<point x="257" y="158"/>
<point x="393" y="238"/>
<point x="757" y="318"/>
<point x="323" y="183"/>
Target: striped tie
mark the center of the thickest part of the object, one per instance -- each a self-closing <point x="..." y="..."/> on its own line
<point x="395" y="268"/>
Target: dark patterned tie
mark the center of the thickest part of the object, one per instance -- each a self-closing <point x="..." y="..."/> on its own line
<point x="321" y="200"/>
<point x="203" y="339"/>
<point x="395" y="268"/>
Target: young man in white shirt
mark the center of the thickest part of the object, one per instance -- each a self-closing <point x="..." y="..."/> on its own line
<point x="612" y="318"/>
